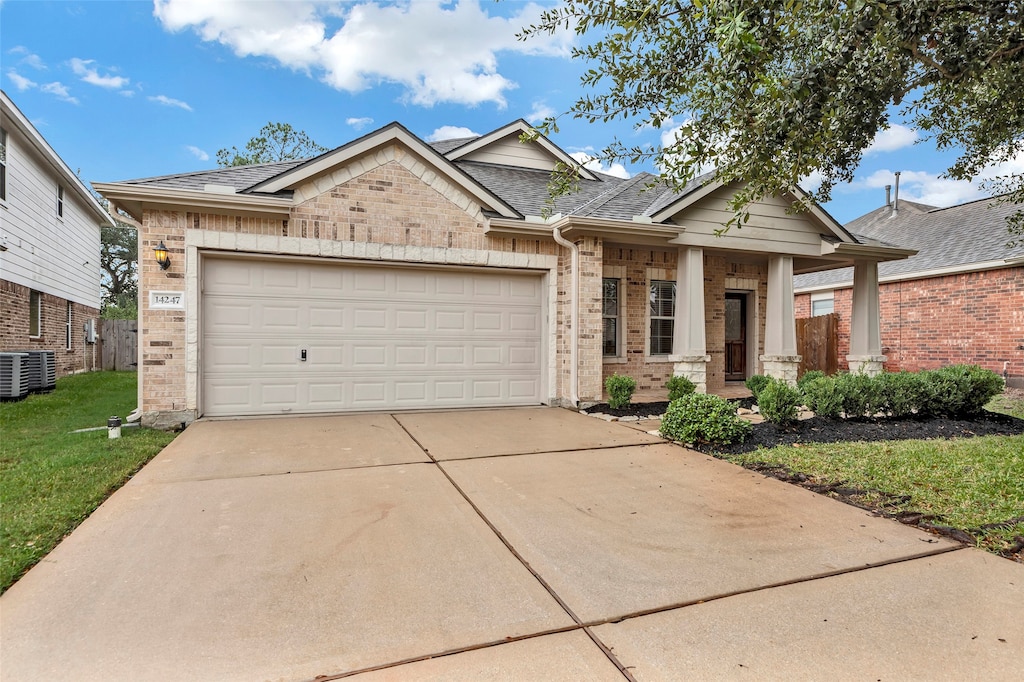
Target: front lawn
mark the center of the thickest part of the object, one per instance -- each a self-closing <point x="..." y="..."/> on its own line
<point x="52" y="479"/>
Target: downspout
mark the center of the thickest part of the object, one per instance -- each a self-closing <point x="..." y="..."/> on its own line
<point x="574" y="314"/>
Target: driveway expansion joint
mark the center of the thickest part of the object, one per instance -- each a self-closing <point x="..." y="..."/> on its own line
<point x="522" y="560"/>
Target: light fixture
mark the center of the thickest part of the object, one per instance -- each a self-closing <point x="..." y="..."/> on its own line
<point x="162" y="259"/>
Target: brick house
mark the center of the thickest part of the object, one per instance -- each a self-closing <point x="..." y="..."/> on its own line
<point x="390" y="273"/>
<point x="49" y="248"/>
<point x="959" y="300"/>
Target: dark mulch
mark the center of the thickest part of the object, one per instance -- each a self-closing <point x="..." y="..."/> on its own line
<point x="821" y="430"/>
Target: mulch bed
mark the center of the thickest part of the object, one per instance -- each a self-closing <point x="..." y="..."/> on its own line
<point x="822" y="430"/>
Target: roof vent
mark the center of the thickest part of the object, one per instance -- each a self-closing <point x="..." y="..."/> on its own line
<point x="219" y="189"/>
<point x="896" y="197"/>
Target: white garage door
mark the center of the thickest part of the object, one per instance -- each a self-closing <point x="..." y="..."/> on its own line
<point x="298" y="337"/>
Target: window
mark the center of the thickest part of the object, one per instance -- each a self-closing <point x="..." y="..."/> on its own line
<point x="610" y="315"/>
<point x="822" y="304"/>
<point x="35" y="313"/>
<point x="3" y="164"/>
<point x="71" y="311"/>
<point x="60" y="201"/>
<point x="663" y="306"/>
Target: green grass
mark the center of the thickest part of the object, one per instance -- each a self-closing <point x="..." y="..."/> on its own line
<point x="965" y="483"/>
<point x="1005" y="404"/>
<point x="51" y="479"/>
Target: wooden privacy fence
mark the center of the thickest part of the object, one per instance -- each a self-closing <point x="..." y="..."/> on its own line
<point x="119" y="344"/>
<point x="817" y="342"/>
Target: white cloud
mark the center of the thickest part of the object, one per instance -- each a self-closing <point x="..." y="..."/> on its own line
<point x="450" y="133"/>
<point x="359" y="123"/>
<point x="20" y="81"/>
<point x="587" y="161"/>
<point x="170" y="102"/>
<point x="29" y="58"/>
<point x="60" y="91"/>
<point x="922" y="187"/>
<point x="197" y="152"/>
<point x="540" y="112"/>
<point x="87" y="73"/>
<point x="437" y="50"/>
<point x="892" y="138"/>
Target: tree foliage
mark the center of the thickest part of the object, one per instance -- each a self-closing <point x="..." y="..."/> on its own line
<point x="119" y="257"/>
<point x="275" y="142"/>
<point x="768" y="92"/>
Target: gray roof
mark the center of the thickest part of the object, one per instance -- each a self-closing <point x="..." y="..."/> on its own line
<point x="960" y="235"/>
<point x="445" y="146"/>
<point x="239" y="177"/>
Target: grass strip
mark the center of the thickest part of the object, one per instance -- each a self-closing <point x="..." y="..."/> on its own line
<point x="52" y="479"/>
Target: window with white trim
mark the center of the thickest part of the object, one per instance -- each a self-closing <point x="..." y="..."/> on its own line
<point x="610" y="297"/>
<point x="823" y="303"/>
<point x="35" y="314"/>
<point x="67" y="333"/>
<point x="60" y="201"/>
<point x="662" y="325"/>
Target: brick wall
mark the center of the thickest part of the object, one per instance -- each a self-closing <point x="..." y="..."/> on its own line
<point x="397" y="202"/>
<point x="14" y="328"/>
<point x="975" y="318"/>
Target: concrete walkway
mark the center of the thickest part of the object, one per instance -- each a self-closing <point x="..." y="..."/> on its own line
<point x="520" y="544"/>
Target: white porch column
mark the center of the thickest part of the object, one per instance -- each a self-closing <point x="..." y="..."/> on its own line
<point x="689" y="341"/>
<point x="865" y="321"/>
<point x="780" y="358"/>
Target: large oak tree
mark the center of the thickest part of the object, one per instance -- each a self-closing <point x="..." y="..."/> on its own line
<point x="772" y="91"/>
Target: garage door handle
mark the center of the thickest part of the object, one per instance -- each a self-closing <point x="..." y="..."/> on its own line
<point x="303" y="354"/>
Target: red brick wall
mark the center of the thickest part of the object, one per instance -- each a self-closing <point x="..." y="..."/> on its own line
<point x="14" y="301"/>
<point x="975" y="318"/>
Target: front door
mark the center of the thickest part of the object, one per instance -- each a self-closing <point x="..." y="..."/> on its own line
<point x="735" y="337"/>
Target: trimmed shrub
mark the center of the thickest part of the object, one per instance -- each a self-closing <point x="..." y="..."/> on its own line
<point x="756" y="383"/>
<point x="859" y="394"/>
<point x="808" y="377"/>
<point x="960" y="390"/>
<point x="823" y="397"/>
<point x="901" y="394"/>
<point x="620" y="390"/>
<point x="678" y="387"/>
<point x="703" y="418"/>
<point x="778" y="402"/>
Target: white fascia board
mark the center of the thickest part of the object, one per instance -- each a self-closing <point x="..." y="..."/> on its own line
<point x="865" y="251"/>
<point x="392" y="133"/>
<point x="920" y="274"/>
<point x="520" y="127"/>
<point x="25" y="127"/>
<point x="825" y="219"/>
<point x="622" y="230"/>
<point x="123" y="193"/>
<point x="685" y="202"/>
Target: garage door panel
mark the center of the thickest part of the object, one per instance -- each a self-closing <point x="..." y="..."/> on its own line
<point x="376" y="337"/>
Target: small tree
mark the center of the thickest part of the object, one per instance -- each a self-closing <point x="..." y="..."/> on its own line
<point x="275" y="142"/>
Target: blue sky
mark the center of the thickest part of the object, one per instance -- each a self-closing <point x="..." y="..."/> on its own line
<point x="133" y="89"/>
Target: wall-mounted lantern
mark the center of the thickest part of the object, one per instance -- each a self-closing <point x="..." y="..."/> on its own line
<point x="162" y="259"/>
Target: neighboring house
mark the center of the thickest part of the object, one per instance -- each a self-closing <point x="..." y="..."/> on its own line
<point x="49" y="248"/>
<point x="959" y="300"/>
<point x="390" y="273"/>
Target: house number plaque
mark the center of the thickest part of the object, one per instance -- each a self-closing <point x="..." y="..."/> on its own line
<point x="167" y="300"/>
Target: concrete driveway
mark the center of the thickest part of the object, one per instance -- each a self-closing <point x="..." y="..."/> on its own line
<point x="519" y="544"/>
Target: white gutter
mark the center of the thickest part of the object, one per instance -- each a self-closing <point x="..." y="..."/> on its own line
<point x="920" y="274"/>
<point x="556" y="233"/>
